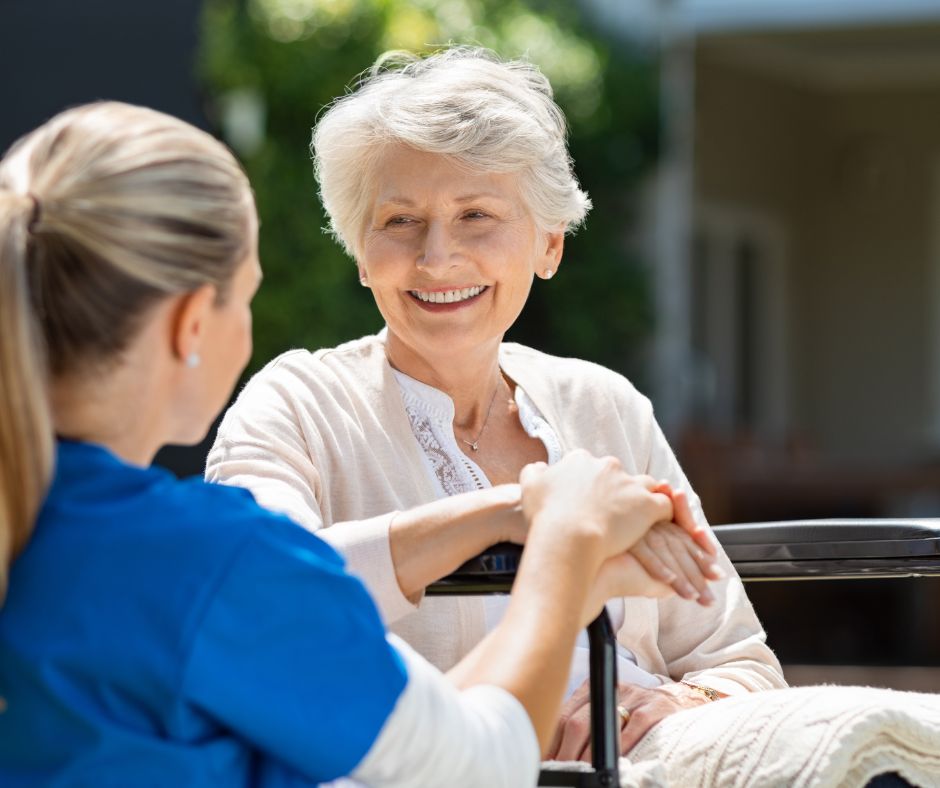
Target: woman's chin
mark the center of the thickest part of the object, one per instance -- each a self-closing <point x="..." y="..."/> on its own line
<point x="451" y="338"/>
<point x="451" y="346"/>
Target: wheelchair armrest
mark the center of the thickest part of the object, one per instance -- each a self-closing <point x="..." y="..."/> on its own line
<point x="490" y="572"/>
<point x="821" y="549"/>
<point x="789" y="550"/>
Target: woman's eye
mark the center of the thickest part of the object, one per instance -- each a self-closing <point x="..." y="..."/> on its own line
<point x="399" y="221"/>
<point x="476" y="215"/>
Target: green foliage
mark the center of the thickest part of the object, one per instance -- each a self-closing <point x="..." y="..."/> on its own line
<point x="297" y="55"/>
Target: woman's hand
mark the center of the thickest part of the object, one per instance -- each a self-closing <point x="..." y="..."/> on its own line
<point x="619" y="576"/>
<point x="593" y="500"/>
<point x="684" y="518"/>
<point x="644" y="708"/>
<point x="677" y="556"/>
<point x="680" y="554"/>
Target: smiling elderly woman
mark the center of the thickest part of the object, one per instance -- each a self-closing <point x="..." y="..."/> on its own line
<point x="448" y="180"/>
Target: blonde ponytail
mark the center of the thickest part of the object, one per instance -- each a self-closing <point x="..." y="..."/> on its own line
<point x="104" y="211"/>
<point x="26" y="435"/>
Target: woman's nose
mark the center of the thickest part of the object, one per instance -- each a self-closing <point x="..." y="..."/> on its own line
<point x="438" y="250"/>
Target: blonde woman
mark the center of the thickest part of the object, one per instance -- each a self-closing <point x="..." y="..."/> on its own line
<point x="175" y="633"/>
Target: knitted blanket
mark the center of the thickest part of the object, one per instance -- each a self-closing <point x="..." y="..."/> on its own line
<point x="819" y="737"/>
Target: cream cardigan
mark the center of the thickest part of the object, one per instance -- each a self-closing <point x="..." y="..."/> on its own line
<point x="324" y="438"/>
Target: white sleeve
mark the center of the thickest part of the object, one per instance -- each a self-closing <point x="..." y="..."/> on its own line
<point x="437" y="735"/>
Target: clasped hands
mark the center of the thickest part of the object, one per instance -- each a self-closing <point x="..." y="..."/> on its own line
<point x="653" y="547"/>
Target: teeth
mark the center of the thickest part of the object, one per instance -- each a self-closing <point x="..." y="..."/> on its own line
<point x="448" y="296"/>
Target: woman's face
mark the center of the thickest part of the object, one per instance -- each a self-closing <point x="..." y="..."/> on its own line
<point x="449" y="254"/>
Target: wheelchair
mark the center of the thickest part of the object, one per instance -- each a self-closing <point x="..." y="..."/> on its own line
<point x="792" y="550"/>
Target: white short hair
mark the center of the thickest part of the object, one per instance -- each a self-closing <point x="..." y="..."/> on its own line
<point x="463" y="102"/>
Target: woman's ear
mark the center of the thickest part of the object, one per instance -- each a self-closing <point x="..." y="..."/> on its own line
<point x="552" y="251"/>
<point x="363" y="276"/>
<point x="189" y="323"/>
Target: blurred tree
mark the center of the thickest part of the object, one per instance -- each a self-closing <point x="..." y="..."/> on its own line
<point x="272" y="65"/>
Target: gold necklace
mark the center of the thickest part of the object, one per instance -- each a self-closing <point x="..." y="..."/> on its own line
<point x="475" y="443"/>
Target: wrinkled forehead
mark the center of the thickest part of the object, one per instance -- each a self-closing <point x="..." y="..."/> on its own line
<point x="404" y="174"/>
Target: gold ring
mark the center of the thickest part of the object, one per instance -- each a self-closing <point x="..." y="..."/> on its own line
<point x="624" y="713"/>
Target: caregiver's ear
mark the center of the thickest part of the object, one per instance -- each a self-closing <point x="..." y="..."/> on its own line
<point x="189" y="321"/>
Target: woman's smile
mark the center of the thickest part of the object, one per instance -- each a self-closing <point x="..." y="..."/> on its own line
<point x="448" y="299"/>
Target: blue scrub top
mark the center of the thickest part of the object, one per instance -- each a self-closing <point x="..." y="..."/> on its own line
<point x="167" y="633"/>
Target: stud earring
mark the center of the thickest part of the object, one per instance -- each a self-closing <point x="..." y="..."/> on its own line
<point x="193" y="360"/>
<point x="548" y="273"/>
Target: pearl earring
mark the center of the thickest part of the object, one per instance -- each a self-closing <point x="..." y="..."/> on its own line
<point x="193" y="360"/>
<point x="548" y="273"/>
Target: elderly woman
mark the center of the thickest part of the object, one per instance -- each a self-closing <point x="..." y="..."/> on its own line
<point x="448" y="180"/>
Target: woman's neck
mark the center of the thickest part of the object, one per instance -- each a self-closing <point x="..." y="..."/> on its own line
<point x="115" y="409"/>
<point x="470" y="379"/>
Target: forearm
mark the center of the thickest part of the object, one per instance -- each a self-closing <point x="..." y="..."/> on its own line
<point x="432" y="540"/>
<point x="528" y="653"/>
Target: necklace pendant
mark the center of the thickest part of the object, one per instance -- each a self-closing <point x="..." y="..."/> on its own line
<point x="475" y="446"/>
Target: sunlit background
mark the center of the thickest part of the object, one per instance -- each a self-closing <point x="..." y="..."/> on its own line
<point x="763" y="257"/>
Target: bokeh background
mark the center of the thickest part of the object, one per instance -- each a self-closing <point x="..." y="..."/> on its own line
<point x="763" y="258"/>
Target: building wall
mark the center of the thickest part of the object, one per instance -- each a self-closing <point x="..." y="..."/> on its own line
<point x="867" y="273"/>
<point x="58" y="53"/>
<point x="848" y="178"/>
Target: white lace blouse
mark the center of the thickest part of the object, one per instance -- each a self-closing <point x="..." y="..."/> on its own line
<point x="431" y="413"/>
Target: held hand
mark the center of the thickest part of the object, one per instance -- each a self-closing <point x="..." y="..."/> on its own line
<point x="594" y="498"/>
<point x="672" y="554"/>
<point x="622" y="575"/>
<point x="665" y="561"/>
<point x="679" y="554"/>
<point x="683" y="517"/>
<point x="644" y="708"/>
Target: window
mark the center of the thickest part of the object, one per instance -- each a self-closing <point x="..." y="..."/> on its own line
<point x="738" y="302"/>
